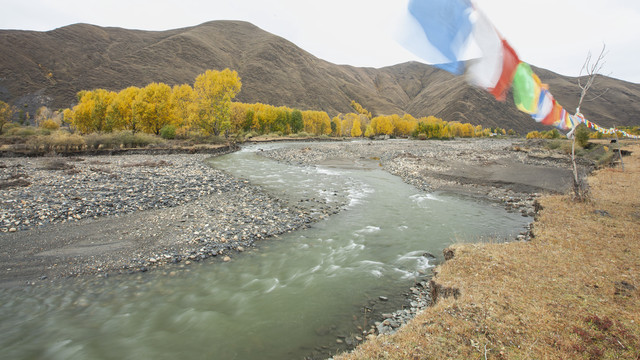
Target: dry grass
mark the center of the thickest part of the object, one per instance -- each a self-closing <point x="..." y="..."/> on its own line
<point x="573" y="292"/>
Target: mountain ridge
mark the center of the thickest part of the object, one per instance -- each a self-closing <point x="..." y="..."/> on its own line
<point x="49" y="68"/>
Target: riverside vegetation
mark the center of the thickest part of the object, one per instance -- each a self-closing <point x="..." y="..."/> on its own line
<point x="572" y="292"/>
<point x="198" y="113"/>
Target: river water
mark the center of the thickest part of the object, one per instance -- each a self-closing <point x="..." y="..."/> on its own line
<point x="291" y="297"/>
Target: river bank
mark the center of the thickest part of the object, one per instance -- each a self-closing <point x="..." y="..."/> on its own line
<point x="57" y="212"/>
<point x="569" y="293"/>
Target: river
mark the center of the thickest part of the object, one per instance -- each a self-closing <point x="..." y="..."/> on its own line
<point x="295" y="296"/>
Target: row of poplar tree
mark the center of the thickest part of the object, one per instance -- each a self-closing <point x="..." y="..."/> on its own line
<point x="207" y="108"/>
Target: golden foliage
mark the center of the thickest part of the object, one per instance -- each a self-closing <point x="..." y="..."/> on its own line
<point x="213" y="92"/>
<point x="208" y="106"/>
<point x="360" y="110"/>
<point x="355" y="129"/>
<point x="6" y="112"/>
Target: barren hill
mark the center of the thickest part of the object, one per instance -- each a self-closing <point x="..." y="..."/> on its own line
<point x="49" y="68"/>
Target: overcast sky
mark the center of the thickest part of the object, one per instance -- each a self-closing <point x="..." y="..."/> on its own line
<point x="553" y="34"/>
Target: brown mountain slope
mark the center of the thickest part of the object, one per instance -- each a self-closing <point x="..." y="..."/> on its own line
<point x="49" y="68"/>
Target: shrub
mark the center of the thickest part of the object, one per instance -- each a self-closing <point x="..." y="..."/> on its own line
<point x="127" y="138"/>
<point x="96" y="141"/>
<point x="582" y="136"/>
<point x="553" y="145"/>
<point x="144" y="139"/>
<point x="533" y="135"/>
<point x="302" y="134"/>
<point x="551" y="134"/>
<point x="64" y="141"/>
<point x="21" y="131"/>
<point x="50" y="124"/>
<point x="168" y="132"/>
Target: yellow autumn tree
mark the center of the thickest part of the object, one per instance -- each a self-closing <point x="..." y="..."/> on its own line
<point x="478" y="131"/>
<point x="6" y="112"/>
<point x="467" y="130"/>
<point x="239" y="115"/>
<point x="214" y="91"/>
<point x="382" y="125"/>
<point x="120" y="113"/>
<point x="369" y="132"/>
<point x="360" y="110"/>
<point x="336" y="126"/>
<point x="347" y="123"/>
<point x="404" y="126"/>
<point x="90" y="113"/>
<point x="182" y="105"/>
<point x="316" y="122"/>
<point x="355" y="129"/>
<point x="153" y="107"/>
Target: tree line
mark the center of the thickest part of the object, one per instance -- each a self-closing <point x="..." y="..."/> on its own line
<point x="206" y="108"/>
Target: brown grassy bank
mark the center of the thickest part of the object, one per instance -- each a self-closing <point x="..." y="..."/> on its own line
<point x="573" y="292"/>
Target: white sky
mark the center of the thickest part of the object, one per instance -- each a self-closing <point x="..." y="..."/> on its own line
<point x="553" y="34"/>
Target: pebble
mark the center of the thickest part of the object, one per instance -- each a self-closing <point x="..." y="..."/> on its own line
<point x="419" y="299"/>
<point x="215" y="212"/>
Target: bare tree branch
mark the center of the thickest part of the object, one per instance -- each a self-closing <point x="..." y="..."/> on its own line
<point x="591" y="70"/>
<point x="598" y="96"/>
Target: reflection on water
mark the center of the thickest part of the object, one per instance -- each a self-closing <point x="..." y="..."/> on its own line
<point x="289" y="298"/>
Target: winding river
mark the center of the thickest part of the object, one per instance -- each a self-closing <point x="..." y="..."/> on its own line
<point x="291" y="297"/>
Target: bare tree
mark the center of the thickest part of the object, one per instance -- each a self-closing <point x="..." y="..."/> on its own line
<point x="590" y="69"/>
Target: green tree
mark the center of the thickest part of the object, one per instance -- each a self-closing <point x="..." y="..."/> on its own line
<point x="248" y="120"/>
<point x="214" y="91"/>
<point x="296" y="121"/>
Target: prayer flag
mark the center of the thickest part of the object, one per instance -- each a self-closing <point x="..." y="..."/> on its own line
<point x="554" y="115"/>
<point x="545" y="105"/>
<point x="495" y="69"/>
<point x="446" y="25"/>
<point x="526" y="89"/>
<point x="444" y="32"/>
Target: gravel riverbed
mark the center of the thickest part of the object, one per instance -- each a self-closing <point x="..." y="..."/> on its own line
<point x="66" y="216"/>
<point x="111" y="214"/>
